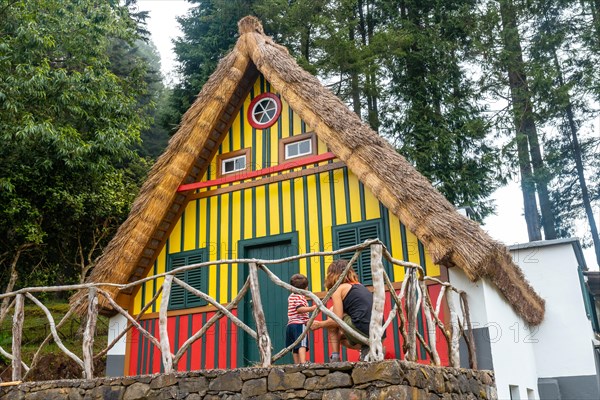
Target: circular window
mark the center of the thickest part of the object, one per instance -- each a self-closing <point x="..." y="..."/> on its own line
<point x="264" y="110"/>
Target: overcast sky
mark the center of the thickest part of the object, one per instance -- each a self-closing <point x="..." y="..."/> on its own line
<point x="508" y="225"/>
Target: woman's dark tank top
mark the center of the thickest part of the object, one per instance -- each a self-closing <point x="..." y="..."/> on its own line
<point x="358" y="304"/>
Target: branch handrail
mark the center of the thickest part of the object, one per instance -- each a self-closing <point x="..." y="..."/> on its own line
<point x="413" y="292"/>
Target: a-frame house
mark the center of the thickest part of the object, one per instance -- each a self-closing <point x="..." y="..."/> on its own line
<point x="268" y="163"/>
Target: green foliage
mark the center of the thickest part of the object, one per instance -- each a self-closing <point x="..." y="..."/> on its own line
<point x="69" y="120"/>
<point x="434" y="109"/>
<point x="209" y="32"/>
<point x="35" y="329"/>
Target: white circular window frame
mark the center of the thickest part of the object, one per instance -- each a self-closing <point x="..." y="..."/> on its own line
<point x="265" y="101"/>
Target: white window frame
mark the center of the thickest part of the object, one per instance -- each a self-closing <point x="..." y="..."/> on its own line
<point x="233" y="159"/>
<point x="297" y="143"/>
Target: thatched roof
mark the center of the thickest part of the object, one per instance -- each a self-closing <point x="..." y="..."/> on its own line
<point x="451" y="239"/>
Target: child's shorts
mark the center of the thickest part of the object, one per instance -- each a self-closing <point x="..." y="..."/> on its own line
<point x="292" y="332"/>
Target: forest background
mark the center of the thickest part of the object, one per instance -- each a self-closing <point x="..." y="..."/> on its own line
<point x="476" y="94"/>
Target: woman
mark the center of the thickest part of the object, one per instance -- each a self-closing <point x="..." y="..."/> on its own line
<point x="352" y="302"/>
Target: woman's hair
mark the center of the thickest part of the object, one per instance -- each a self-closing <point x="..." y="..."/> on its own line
<point x="334" y="271"/>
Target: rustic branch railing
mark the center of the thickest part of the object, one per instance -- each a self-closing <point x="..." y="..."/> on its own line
<point x="413" y="299"/>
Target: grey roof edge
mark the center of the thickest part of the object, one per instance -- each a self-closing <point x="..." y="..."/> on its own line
<point x="574" y="241"/>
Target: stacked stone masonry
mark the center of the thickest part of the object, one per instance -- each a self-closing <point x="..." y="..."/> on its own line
<point x="390" y="379"/>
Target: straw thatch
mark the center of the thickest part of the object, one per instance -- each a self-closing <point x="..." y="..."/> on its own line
<point x="451" y="239"/>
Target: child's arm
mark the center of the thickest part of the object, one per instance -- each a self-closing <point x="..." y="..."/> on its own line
<point x="306" y="309"/>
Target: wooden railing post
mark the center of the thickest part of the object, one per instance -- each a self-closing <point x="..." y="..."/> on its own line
<point x="88" y="335"/>
<point x="455" y="330"/>
<point x="411" y="314"/>
<point x="431" y="326"/>
<point x="17" y="335"/>
<point x="264" y="341"/>
<point x="165" y="347"/>
<point x="376" y="327"/>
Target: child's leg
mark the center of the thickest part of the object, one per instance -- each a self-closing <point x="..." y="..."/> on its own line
<point x="297" y="357"/>
<point x="301" y="355"/>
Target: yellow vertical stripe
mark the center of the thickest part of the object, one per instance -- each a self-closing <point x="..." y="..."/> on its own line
<point x="313" y="235"/>
<point x="286" y="201"/>
<point x="248" y="222"/>
<point x="321" y="147"/>
<point x="340" y="197"/>
<point x="189" y="240"/>
<point x="175" y="239"/>
<point x="202" y="223"/>
<point x="235" y="237"/>
<point x="212" y="255"/>
<point x="274" y="145"/>
<point x="413" y="247"/>
<point x="260" y="157"/>
<point x="396" y="246"/>
<point x="371" y="205"/>
<point x="327" y="219"/>
<point x="297" y="128"/>
<point x="261" y="215"/>
<point x="237" y="134"/>
<point x="224" y="243"/>
<point x="137" y="302"/>
<point x="354" y="197"/>
<point x="432" y="269"/>
<point x="274" y="211"/>
<point x="298" y="213"/>
<point x="284" y="119"/>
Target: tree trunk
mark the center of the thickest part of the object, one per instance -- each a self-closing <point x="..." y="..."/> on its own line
<point x="14" y="275"/>
<point x="525" y="128"/>
<point x="576" y="149"/>
<point x="354" y="82"/>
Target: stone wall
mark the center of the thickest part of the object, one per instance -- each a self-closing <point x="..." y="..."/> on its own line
<point x="390" y="379"/>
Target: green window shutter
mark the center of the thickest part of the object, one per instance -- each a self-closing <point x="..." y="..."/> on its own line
<point x="197" y="278"/>
<point x="367" y="232"/>
<point x="177" y="298"/>
<point x="355" y="233"/>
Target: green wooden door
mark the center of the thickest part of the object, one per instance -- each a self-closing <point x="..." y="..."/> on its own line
<point x="274" y="298"/>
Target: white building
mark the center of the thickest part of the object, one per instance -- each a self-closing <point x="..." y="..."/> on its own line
<point x="557" y="359"/>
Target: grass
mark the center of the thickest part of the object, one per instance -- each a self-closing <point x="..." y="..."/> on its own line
<point x="36" y="328"/>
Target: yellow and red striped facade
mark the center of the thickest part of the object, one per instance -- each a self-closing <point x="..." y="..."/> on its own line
<point x="308" y="201"/>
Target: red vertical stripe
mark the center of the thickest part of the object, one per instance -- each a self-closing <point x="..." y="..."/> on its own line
<point x="183" y="336"/>
<point x="197" y="345"/>
<point x="222" y="340"/>
<point x="156" y="353"/>
<point x="133" y="351"/>
<point x="211" y="345"/>
<point x="233" y="341"/>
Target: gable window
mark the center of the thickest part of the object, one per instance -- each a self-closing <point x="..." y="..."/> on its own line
<point x="233" y="164"/>
<point x="264" y="110"/>
<point x="297" y="147"/>
<point x="355" y="233"/>
<point x="234" y="161"/>
<point x="197" y="278"/>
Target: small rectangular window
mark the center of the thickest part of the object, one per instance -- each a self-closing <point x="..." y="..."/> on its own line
<point x="298" y="146"/>
<point x="297" y="149"/>
<point x="234" y="161"/>
<point x="233" y="164"/>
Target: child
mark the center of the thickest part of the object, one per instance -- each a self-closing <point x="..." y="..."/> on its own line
<point x="298" y="310"/>
<point x="352" y="302"/>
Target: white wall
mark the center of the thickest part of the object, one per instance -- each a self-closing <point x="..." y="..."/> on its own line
<point x="563" y="342"/>
<point x="512" y="354"/>
<point x="116" y="325"/>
